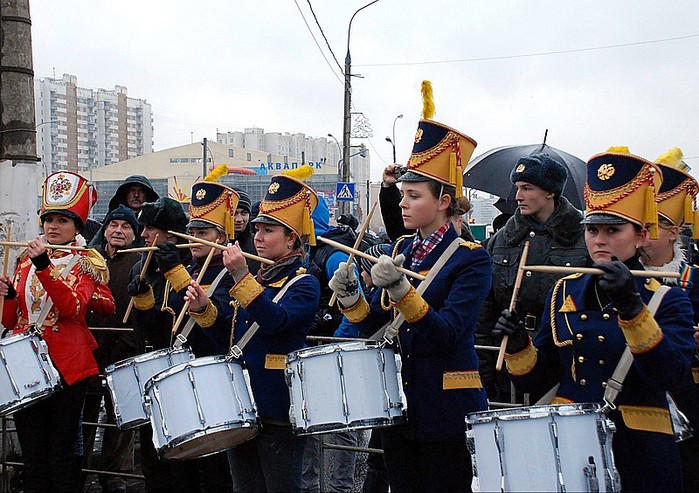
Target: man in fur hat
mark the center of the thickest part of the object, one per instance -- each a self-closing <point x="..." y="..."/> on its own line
<point x="552" y="226"/>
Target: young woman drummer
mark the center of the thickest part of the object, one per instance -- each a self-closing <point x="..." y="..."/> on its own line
<point x="48" y="429"/>
<point x="439" y="363"/>
<point x="593" y="318"/>
<point x="272" y="461"/>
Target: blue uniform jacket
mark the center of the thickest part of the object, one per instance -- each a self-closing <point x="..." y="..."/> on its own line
<point x="580" y="346"/>
<point x="215" y="339"/>
<point x="440" y="366"/>
<point x="283" y="329"/>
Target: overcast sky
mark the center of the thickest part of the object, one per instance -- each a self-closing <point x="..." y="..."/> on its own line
<point x="595" y="73"/>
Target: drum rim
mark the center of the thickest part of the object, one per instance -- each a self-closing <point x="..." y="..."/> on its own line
<point x="177" y="441"/>
<point x="139" y="358"/>
<point x="511" y="414"/>
<point x="333" y="347"/>
<point x="192" y="363"/>
<point x="20" y="335"/>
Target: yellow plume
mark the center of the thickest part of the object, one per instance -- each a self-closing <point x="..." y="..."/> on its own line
<point x="217" y="172"/>
<point x="672" y="158"/>
<point x="619" y="149"/>
<point x="427" y="100"/>
<point x="301" y="173"/>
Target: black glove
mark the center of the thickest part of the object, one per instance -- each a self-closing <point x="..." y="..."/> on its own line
<point x="41" y="262"/>
<point x="138" y="286"/>
<point x="510" y="325"/>
<point x="619" y="284"/>
<point x="167" y="256"/>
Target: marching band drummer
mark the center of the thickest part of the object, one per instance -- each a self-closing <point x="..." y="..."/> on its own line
<point x="675" y="208"/>
<point x="48" y="430"/>
<point x="593" y="318"/>
<point x="211" y="210"/>
<point x="272" y="460"/>
<point x="439" y="363"/>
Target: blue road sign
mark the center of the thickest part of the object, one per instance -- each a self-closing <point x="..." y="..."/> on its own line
<point x="345" y="191"/>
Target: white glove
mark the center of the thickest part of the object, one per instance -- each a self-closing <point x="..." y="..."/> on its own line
<point x="344" y="283"/>
<point x="385" y="275"/>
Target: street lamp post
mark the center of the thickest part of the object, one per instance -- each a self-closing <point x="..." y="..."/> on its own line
<point x="347" y="114"/>
<point x="339" y="160"/>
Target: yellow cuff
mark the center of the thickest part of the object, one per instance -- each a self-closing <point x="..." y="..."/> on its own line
<point x="206" y="318"/>
<point x="647" y="418"/>
<point x="642" y="333"/>
<point x="246" y="290"/>
<point x="412" y="306"/>
<point x="522" y="362"/>
<point x="358" y="312"/>
<point x="144" y="301"/>
<point x="178" y="277"/>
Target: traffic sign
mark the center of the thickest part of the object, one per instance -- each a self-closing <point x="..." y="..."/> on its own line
<point x="345" y="191"/>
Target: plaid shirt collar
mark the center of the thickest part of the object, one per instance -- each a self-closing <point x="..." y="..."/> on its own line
<point x="421" y="248"/>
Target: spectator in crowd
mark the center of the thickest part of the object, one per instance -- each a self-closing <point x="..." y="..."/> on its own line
<point x="243" y="232"/>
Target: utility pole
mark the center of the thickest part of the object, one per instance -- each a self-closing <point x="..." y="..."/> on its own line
<point x="203" y="159"/>
<point x="18" y="159"/>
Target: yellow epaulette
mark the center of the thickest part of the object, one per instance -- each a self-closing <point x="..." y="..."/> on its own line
<point x="472" y="245"/>
<point x="300" y="270"/>
<point x="94" y="265"/>
<point x="652" y="284"/>
<point x="279" y="283"/>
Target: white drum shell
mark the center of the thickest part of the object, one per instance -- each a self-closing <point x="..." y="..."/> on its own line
<point x="200" y="408"/>
<point x="343" y="386"/>
<point x="26" y="372"/>
<point x="528" y="452"/>
<point x="127" y="382"/>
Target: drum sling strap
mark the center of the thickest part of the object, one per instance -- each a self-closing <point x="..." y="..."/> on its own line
<point x="615" y="382"/>
<point x="237" y="349"/>
<point x="393" y="326"/>
<point x="49" y="302"/>
<point x="181" y="338"/>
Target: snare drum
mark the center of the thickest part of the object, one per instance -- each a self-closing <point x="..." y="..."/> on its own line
<point x="26" y="372"/>
<point x="564" y="447"/>
<point x="127" y="382"/>
<point x="343" y="386"/>
<point x="201" y="408"/>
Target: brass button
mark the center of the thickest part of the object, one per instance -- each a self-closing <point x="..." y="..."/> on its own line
<point x="583" y="382"/>
<point x="567" y="264"/>
<point x="600" y="338"/>
<point x="604" y="385"/>
<point x="504" y="261"/>
<point x="529" y="273"/>
<point x="532" y="234"/>
<point x="579" y="337"/>
<point x="408" y="329"/>
<point x="602" y="362"/>
<point x="583" y="317"/>
<point x="581" y="359"/>
<point x="606" y="316"/>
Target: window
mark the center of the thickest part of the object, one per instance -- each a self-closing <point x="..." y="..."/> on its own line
<point x="248" y="157"/>
<point x="230" y="153"/>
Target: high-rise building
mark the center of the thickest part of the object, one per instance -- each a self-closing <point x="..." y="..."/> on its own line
<point x="80" y="129"/>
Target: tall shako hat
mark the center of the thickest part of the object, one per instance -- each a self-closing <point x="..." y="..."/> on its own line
<point x="212" y="205"/>
<point x="677" y="194"/>
<point x="621" y="187"/>
<point x="67" y="193"/>
<point x="439" y="153"/>
<point x="290" y="202"/>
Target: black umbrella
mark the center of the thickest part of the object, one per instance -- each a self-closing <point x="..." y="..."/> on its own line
<point x="490" y="172"/>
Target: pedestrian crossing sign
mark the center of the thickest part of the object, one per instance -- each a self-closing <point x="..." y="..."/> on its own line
<point x="345" y="191"/>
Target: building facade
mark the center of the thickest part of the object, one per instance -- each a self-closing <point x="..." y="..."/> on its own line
<point x="80" y="129"/>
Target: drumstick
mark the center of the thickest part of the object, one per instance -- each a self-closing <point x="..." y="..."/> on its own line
<point x="595" y="271"/>
<point x="199" y="278"/>
<point x="47" y="246"/>
<point x="357" y="242"/>
<point x="513" y="301"/>
<point x="359" y="253"/>
<point x="140" y="276"/>
<point x="154" y="248"/>
<point x="6" y="264"/>
<point x="218" y="246"/>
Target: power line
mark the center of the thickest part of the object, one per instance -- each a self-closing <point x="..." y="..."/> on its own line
<point x="316" y="42"/>
<point x="528" y="55"/>
<point x="326" y="39"/>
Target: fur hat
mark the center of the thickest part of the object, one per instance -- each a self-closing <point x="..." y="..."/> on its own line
<point x="541" y="170"/>
<point x="123" y="213"/>
<point x="165" y="213"/>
